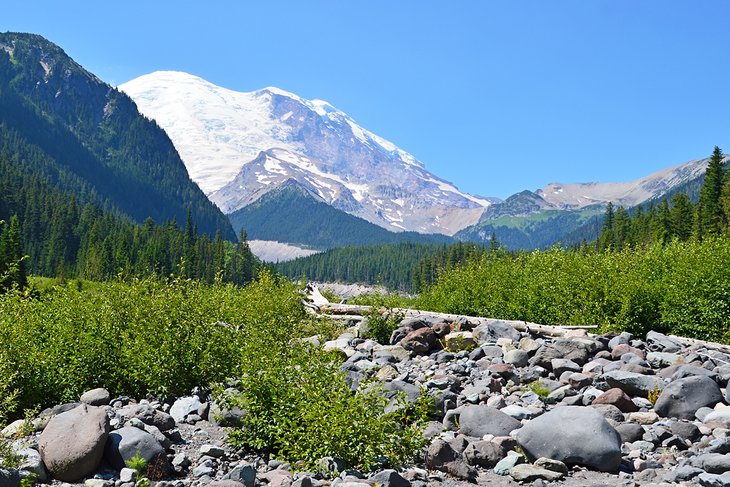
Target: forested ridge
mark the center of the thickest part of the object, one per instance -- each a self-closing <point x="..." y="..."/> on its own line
<point x="291" y="214"/>
<point x="83" y="136"/>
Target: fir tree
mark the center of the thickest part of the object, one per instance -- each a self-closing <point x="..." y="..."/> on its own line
<point x="710" y="214"/>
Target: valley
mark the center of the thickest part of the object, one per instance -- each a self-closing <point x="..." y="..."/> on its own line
<point x="159" y="324"/>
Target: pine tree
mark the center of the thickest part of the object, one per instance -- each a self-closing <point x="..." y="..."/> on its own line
<point x="605" y="240"/>
<point x="710" y="214"/>
<point x="682" y="217"/>
<point x="12" y="260"/>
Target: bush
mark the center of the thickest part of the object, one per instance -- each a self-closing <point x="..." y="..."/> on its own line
<point x="300" y="408"/>
<point x="154" y="336"/>
<point x="680" y="287"/>
<point x="380" y="326"/>
<point x="134" y="338"/>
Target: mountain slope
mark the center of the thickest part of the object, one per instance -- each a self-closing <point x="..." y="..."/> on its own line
<point x="93" y="138"/>
<point x="570" y="213"/>
<point x="292" y="214"/>
<point x="239" y="146"/>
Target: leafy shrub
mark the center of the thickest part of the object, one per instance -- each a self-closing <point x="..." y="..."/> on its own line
<point x="382" y="325"/>
<point x="299" y="407"/>
<point x="166" y="337"/>
<point x="138" y="463"/>
<point x="678" y="287"/>
<point x="137" y="337"/>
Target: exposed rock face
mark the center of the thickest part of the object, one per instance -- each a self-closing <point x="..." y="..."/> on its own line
<point x="72" y="444"/>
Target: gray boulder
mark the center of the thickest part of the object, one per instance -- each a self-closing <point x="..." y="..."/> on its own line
<point x="126" y="442"/>
<point x="493" y="330"/>
<point x="96" y="397"/>
<point x="184" y="406"/>
<point x="72" y="444"/>
<point x="484" y="454"/>
<point x="420" y="341"/>
<point x="483" y="420"/>
<point x="31" y="461"/>
<point x="683" y="397"/>
<point x="632" y="383"/>
<point x="662" y="343"/>
<point x="9" y="478"/>
<point x="389" y="478"/>
<point x="574" y="435"/>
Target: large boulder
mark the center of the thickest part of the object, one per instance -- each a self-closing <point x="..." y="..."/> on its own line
<point x="420" y="341"/>
<point x="574" y="435"/>
<point x="125" y="443"/>
<point x="442" y="456"/>
<point x="483" y="420"/>
<point x="72" y="443"/>
<point x="682" y="398"/>
<point x="618" y="398"/>
<point x="96" y="397"/>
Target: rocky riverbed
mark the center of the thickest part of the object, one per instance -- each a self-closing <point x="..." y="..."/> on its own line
<point x="511" y="408"/>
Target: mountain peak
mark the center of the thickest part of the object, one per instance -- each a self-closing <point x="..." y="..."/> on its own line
<point x="240" y="145"/>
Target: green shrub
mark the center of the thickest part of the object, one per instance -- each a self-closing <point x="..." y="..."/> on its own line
<point x="300" y="408"/>
<point x="678" y="287"/>
<point x="138" y="463"/>
<point x="381" y="325"/>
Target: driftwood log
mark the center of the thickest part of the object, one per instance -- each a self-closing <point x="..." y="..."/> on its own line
<point x="318" y="304"/>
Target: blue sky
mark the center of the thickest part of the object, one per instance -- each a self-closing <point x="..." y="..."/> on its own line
<point x="494" y="96"/>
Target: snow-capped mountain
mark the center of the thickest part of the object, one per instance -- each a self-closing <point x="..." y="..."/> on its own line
<point x="238" y="146"/>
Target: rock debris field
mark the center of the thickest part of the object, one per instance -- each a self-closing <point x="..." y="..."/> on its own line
<point x="512" y="408"/>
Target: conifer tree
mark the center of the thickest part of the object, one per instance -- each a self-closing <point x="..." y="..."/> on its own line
<point x="710" y="214"/>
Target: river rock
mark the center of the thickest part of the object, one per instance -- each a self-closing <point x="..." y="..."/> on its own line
<point x="633" y="383"/>
<point x="184" y="406"/>
<point x="682" y="398"/>
<point x="574" y="435"/>
<point x="72" y="444"/>
<point x="126" y="442"/>
<point x="483" y="420"/>
<point x="618" y="398"/>
<point x="96" y="397"/>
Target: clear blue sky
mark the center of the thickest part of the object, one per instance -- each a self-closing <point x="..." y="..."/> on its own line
<point x="494" y="96"/>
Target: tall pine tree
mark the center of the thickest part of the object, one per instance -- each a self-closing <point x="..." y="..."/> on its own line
<point x="710" y="214"/>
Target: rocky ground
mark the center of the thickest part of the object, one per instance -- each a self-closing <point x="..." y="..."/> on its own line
<point x="513" y="408"/>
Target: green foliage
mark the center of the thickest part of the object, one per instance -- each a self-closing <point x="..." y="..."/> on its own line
<point x="138" y="463"/>
<point x="678" y="287"/>
<point x="382" y="325"/>
<point x="299" y="406"/>
<point x="83" y="136"/>
<point x="711" y="218"/>
<point x="382" y="300"/>
<point x="133" y="338"/>
<point x="539" y="388"/>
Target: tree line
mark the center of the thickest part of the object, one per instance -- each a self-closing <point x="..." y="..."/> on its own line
<point x="64" y="236"/>
<point x="672" y="218"/>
